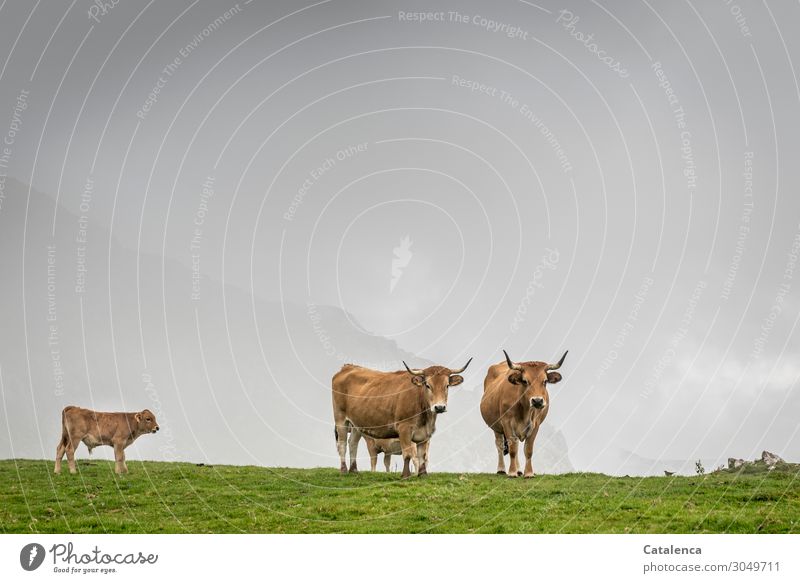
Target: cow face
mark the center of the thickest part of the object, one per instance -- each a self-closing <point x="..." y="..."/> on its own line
<point x="435" y="382"/>
<point x="532" y="379"/>
<point x="147" y="422"/>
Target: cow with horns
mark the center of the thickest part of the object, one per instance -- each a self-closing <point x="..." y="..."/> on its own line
<point x="390" y="405"/>
<point x="515" y="402"/>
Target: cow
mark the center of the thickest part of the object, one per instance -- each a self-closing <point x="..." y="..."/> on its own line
<point x="390" y="405"/>
<point x="389" y="447"/>
<point x="514" y="404"/>
<point x="96" y="428"/>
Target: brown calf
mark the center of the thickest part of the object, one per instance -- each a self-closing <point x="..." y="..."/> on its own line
<point x="390" y="447"/>
<point x="95" y="428"/>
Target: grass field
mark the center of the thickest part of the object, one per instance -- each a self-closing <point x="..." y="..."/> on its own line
<point x="180" y="497"/>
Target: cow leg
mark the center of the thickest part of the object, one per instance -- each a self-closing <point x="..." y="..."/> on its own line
<point x="60" y="451"/>
<point x="355" y="437"/>
<point x="71" y="445"/>
<point x="387" y="461"/>
<point x="409" y="449"/>
<point x="422" y="467"/>
<point x="529" y="453"/>
<point x="499" y="441"/>
<point x="373" y="455"/>
<point x="119" y="457"/>
<point x="513" y="450"/>
<point x="341" y="443"/>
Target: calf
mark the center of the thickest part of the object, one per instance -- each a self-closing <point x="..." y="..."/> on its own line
<point x="96" y="428"/>
<point x="390" y="447"/>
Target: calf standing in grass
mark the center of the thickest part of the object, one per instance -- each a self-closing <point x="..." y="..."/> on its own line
<point x="96" y="428"/>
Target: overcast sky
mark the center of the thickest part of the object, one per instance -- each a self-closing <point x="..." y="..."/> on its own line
<point x="614" y="178"/>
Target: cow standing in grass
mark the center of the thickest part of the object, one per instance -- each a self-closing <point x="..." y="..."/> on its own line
<point x="390" y="405"/>
<point x="515" y="402"/>
<point x="94" y="428"/>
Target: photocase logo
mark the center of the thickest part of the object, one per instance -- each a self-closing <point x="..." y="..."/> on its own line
<point x="31" y="556"/>
<point x="402" y="257"/>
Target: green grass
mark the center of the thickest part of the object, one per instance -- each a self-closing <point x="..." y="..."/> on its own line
<point x="180" y="497"/>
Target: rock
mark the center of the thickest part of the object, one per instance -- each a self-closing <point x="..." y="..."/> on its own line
<point x="770" y="458"/>
<point x="734" y="463"/>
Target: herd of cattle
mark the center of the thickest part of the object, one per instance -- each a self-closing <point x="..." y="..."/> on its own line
<point x="395" y="413"/>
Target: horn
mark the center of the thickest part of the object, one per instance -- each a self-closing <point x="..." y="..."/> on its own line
<point x="558" y="364"/>
<point x="462" y="369"/>
<point x="512" y="365"/>
<point x="414" y="371"/>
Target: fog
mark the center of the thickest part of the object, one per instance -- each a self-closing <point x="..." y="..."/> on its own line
<point x="207" y="208"/>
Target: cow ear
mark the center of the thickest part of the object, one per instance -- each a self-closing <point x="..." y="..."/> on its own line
<point x="515" y="378"/>
<point x="456" y="379"/>
<point x="553" y="377"/>
<point x="418" y="380"/>
<point x="138" y="417"/>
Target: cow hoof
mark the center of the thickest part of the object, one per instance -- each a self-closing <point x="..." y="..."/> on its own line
<point x="512" y="476"/>
<point x="519" y="474"/>
<point x="343" y="469"/>
<point x="528" y="476"/>
<point x="501" y="472"/>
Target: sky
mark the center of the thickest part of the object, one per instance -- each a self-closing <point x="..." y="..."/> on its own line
<point x="234" y="199"/>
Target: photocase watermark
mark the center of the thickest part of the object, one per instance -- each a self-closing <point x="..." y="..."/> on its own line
<point x="53" y="336"/>
<point x="318" y="172"/>
<point x="744" y="228"/>
<point x="477" y="20"/>
<point x="548" y="261"/>
<point x="98" y="9"/>
<point x="524" y="110"/>
<point x="206" y="194"/>
<point x="569" y="21"/>
<point x="168" y="449"/>
<point x="82" y="236"/>
<point x="183" y="53"/>
<point x="626" y="328"/>
<point x="741" y="21"/>
<point x="779" y="300"/>
<point x="31" y="556"/>
<point x="401" y="257"/>
<point x="670" y="352"/>
<point x="7" y="149"/>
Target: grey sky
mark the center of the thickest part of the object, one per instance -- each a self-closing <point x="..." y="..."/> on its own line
<point x="555" y="192"/>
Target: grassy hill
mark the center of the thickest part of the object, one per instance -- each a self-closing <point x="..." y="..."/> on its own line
<point x="180" y="497"/>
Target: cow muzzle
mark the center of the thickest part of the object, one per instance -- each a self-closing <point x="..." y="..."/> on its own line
<point x="440" y="408"/>
<point x="537" y="403"/>
<point x="156" y="429"/>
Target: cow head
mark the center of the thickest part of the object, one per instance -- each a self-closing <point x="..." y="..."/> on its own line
<point x="435" y="382"/>
<point x="146" y="422"/>
<point x="532" y="379"/>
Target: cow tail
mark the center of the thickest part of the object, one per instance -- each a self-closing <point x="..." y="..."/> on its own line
<point x="505" y="445"/>
<point x="64" y="432"/>
<point x="336" y="434"/>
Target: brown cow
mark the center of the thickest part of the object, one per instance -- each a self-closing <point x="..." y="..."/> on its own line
<point x="390" y="405"/>
<point x="389" y="447"/>
<point x="95" y="428"/>
<point x="514" y="404"/>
